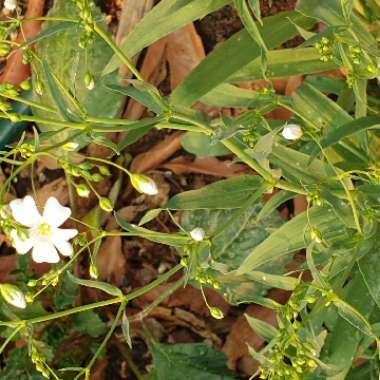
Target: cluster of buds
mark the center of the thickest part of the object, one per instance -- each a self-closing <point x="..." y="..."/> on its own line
<point x="49" y="278"/>
<point x="25" y="150"/>
<point x="83" y="170"/>
<point x="87" y="23"/>
<point x="314" y="198"/>
<point x="325" y="49"/>
<point x="39" y="362"/>
<point x="291" y="356"/>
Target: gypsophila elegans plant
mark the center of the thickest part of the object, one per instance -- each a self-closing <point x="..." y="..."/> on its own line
<point x="322" y="149"/>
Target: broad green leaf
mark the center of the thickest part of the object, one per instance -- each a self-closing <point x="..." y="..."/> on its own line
<point x="50" y="31"/>
<point x="164" y="18"/>
<point x="103" y="286"/>
<point x="88" y="322"/>
<point x="70" y="63"/>
<point x="308" y="103"/>
<point x="230" y="193"/>
<point x="233" y="55"/>
<point x="284" y="62"/>
<point x="343" y="340"/>
<point x="201" y="145"/>
<point x="368" y="266"/>
<point x="290" y="237"/>
<point x="195" y="361"/>
<point x="263" y="329"/>
<point x="234" y="234"/>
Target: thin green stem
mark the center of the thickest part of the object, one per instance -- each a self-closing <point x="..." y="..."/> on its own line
<point x="104" y="342"/>
<point x="10" y="337"/>
<point x="112" y="301"/>
<point x="124" y="59"/>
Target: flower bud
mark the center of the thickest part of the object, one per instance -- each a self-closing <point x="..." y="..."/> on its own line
<point x="216" y="312"/>
<point x="25" y="85"/>
<point x="82" y="190"/>
<point x="4" y="50"/>
<point x="292" y="132"/>
<point x="316" y="236"/>
<point x="105" y="204"/>
<point x="13" y="295"/>
<point x="70" y="146"/>
<point x="143" y="184"/>
<point x="89" y="81"/>
<point x="10" y="5"/>
<point x="197" y="234"/>
<point x="94" y="273"/>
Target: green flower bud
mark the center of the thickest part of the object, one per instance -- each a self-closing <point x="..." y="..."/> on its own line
<point x="93" y="271"/>
<point x="70" y="146"/>
<point x="82" y="190"/>
<point x="105" y="204"/>
<point x="13" y="295"/>
<point x="143" y="184"/>
<point x="216" y="312"/>
<point x="89" y="81"/>
<point x="25" y="85"/>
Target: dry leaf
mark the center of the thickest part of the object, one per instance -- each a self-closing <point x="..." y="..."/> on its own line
<point x="206" y="165"/>
<point x="56" y="188"/>
<point x="157" y="154"/>
<point x="234" y="348"/>
<point x="184" y="51"/>
<point x="111" y="262"/>
<point x="15" y="71"/>
<point x="99" y="370"/>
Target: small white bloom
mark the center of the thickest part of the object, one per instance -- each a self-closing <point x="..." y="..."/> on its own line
<point x="44" y="236"/>
<point x="292" y="132"/>
<point x="13" y="295"/>
<point x="197" y="234"/>
<point x="10" y="4"/>
<point x="144" y="184"/>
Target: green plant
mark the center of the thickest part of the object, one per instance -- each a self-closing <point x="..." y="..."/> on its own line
<point x="227" y="238"/>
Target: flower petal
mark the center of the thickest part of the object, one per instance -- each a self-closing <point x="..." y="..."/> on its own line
<point x="25" y="212"/>
<point x="64" y="234"/>
<point x="45" y="252"/>
<point x="54" y="213"/>
<point x="64" y="247"/>
<point x="20" y="245"/>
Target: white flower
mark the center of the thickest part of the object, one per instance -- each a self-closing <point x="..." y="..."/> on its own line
<point x="197" y="234"/>
<point x="292" y="132"/>
<point x="10" y="4"/>
<point x="13" y="295"/>
<point x="44" y="236"/>
<point x="144" y="184"/>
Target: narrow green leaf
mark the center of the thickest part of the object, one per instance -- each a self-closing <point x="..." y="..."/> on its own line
<point x="230" y="193"/>
<point x="288" y="238"/>
<point x="150" y="215"/>
<point x="104" y="286"/>
<point x="262" y="328"/>
<point x="164" y="18"/>
<point x="233" y="55"/>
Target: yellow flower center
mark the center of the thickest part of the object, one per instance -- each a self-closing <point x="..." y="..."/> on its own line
<point x="44" y="229"/>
